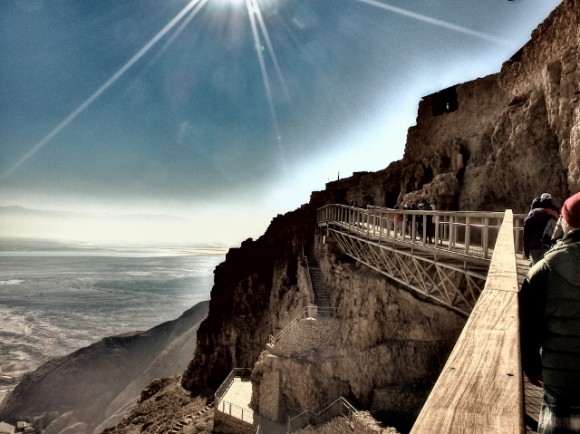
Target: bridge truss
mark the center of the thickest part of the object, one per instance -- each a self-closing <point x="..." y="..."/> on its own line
<point x="450" y="268"/>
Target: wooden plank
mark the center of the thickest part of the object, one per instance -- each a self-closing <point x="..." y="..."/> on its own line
<point x="480" y="389"/>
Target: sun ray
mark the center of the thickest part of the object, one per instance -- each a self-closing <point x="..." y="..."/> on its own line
<point x="86" y="103"/>
<point x="436" y="22"/>
<point x="271" y="50"/>
<point x="200" y="4"/>
<point x="252" y="6"/>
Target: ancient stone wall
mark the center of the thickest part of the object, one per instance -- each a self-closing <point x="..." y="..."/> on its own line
<point x="494" y="142"/>
<point x="309" y="338"/>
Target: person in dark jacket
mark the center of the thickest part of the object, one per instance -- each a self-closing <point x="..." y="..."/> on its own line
<point x="538" y="233"/>
<point x="544" y="201"/>
<point x="550" y="321"/>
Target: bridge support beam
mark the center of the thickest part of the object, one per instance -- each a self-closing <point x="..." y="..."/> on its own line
<point x="453" y="283"/>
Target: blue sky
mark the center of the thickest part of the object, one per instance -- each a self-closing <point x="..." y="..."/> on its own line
<point x="223" y="113"/>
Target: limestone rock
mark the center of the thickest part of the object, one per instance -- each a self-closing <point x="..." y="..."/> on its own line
<point x="489" y="144"/>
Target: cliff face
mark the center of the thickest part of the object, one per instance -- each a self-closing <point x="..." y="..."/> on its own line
<point x="95" y="386"/>
<point x="490" y="144"/>
<point x="495" y="142"/>
<point x="254" y="291"/>
<point x="384" y="346"/>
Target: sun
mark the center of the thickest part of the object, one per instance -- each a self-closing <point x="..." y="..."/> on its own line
<point x="230" y="3"/>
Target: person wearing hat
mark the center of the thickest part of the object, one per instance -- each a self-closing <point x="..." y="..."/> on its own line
<point x="544" y="201"/>
<point x="539" y="227"/>
<point x="550" y="322"/>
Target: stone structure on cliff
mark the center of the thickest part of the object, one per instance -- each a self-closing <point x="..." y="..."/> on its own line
<point x="490" y="144"/>
<point x="495" y="142"/>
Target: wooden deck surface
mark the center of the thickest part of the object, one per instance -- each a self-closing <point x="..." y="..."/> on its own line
<point x="480" y="389"/>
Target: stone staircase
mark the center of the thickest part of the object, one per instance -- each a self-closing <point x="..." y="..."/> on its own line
<point x="181" y="424"/>
<point x="321" y="297"/>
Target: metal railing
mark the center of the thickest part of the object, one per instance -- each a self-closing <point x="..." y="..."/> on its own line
<point x="468" y="233"/>
<point x="229" y="408"/>
<point x="241" y="413"/>
<point x="340" y="407"/>
<point x="310" y="311"/>
<point x="221" y="391"/>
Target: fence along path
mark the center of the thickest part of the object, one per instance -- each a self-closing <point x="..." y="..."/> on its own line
<point x="442" y="255"/>
<point x="480" y="389"/>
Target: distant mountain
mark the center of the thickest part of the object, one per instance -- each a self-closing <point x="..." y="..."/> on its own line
<point x="92" y="388"/>
<point x="20" y="211"/>
<point x="139" y="228"/>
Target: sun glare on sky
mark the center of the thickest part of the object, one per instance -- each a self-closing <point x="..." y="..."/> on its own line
<point x="239" y="108"/>
<point x="237" y="3"/>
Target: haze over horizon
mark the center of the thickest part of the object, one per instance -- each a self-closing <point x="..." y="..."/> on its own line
<point x="220" y="114"/>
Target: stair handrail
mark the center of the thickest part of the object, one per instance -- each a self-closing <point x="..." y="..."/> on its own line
<point x="309" y="311"/>
<point x="345" y="409"/>
<point x="308" y="277"/>
<point x="249" y="417"/>
<point x="221" y="390"/>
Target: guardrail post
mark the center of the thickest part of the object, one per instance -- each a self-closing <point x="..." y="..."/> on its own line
<point x="485" y="238"/>
<point x="451" y="232"/>
<point x="467" y="234"/>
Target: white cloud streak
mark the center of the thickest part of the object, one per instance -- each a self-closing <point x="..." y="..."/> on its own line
<point x="436" y="22"/>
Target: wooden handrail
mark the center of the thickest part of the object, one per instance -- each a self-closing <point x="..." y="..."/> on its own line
<point x="480" y="389"/>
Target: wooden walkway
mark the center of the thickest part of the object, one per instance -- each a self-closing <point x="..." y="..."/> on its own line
<point x="481" y="388"/>
<point x="447" y="262"/>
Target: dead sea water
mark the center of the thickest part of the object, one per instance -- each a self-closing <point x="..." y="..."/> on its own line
<point x="58" y="297"/>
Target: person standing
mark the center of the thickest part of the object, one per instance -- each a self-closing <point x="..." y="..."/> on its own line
<point x="550" y="323"/>
<point x="544" y="201"/>
<point x="397" y="222"/>
<point x="539" y="226"/>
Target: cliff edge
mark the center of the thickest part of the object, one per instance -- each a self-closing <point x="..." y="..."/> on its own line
<point x="94" y="387"/>
<point x="490" y="144"/>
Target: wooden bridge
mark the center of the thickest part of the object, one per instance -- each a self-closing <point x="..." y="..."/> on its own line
<point x="470" y="262"/>
<point x="442" y="255"/>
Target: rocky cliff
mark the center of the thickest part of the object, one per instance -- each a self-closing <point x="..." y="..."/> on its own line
<point x="95" y="386"/>
<point x="489" y="144"/>
<point x="255" y="290"/>
<point x="495" y="142"/>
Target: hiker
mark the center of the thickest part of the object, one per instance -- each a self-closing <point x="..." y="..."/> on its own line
<point x="544" y="201"/>
<point x="549" y="303"/>
<point x="538" y="229"/>
<point x="424" y="205"/>
<point x="397" y="222"/>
